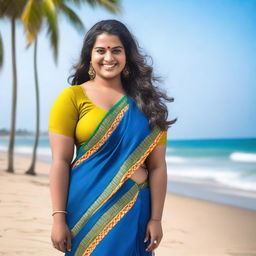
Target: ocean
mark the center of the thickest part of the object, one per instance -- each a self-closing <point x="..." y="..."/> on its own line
<point x="218" y="170"/>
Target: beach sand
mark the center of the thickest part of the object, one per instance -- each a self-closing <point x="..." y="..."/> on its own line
<point x="191" y="226"/>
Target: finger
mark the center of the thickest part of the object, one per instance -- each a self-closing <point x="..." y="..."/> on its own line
<point x="155" y="243"/>
<point x="146" y="237"/>
<point x="151" y="245"/>
<point x="55" y="246"/>
<point x="62" y="246"/>
<point x="69" y="242"/>
<point x="159" y="240"/>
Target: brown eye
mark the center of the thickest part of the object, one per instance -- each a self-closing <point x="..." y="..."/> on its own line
<point x="116" y="51"/>
<point x="100" y="51"/>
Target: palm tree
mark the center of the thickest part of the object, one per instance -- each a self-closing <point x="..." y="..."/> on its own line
<point x="32" y="17"/>
<point x="12" y="10"/>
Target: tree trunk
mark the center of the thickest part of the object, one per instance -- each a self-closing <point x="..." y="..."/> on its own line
<point x="14" y="101"/>
<point x="31" y="169"/>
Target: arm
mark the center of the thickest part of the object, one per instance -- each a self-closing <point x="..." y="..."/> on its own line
<point x="156" y="165"/>
<point x="62" y="148"/>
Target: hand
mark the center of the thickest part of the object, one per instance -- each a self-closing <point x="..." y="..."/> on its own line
<point x="154" y="231"/>
<point x="61" y="236"/>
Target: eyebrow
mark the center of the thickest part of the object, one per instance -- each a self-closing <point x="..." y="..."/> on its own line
<point x="99" y="47"/>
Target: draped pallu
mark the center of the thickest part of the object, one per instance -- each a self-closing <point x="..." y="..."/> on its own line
<point x="107" y="210"/>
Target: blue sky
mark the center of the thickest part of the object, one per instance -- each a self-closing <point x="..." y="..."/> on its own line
<point x="204" y="50"/>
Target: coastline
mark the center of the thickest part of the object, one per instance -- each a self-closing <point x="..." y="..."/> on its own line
<point x="191" y="226"/>
<point x="212" y="192"/>
<point x="190" y="187"/>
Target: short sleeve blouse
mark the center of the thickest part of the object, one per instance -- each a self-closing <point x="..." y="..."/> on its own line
<point x="73" y="114"/>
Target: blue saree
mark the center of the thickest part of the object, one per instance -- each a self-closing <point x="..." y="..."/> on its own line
<point x="108" y="211"/>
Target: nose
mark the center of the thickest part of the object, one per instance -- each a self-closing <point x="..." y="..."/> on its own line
<point x="108" y="56"/>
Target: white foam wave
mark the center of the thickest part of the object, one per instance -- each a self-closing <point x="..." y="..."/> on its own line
<point x="175" y="159"/>
<point x="225" y="177"/>
<point x="243" y="157"/>
<point x="3" y="148"/>
<point x="43" y="151"/>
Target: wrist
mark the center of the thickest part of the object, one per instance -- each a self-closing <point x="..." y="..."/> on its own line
<point x="59" y="218"/>
<point x="156" y="219"/>
<point x="59" y="212"/>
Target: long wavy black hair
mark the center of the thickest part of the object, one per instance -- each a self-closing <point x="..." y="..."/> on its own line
<point x="140" y="84"/>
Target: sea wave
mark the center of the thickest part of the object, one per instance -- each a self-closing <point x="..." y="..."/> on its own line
<point x="225" y="177"/>
<point x="27" y="150"/>
<point x="243" y="157"/>
<point x="175" y="159"/>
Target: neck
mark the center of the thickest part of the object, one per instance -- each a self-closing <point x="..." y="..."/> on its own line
<point x="106" y="84"/>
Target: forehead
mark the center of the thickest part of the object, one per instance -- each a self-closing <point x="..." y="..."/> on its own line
<point x="105" y="40"/>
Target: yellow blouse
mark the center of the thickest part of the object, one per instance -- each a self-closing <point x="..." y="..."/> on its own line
<point x="73" y="114"/>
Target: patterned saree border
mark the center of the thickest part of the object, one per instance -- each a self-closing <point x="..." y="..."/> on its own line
<point x="127" y="169"/>
<point x="102" y="132"/>
<point x="107" y="221"/>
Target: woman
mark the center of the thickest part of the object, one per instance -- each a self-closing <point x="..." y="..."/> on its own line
<point x="109" y="199"/>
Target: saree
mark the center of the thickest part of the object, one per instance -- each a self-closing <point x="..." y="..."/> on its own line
<point x="107" y="211"/>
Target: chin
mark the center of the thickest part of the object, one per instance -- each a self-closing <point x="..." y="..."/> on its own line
<point x="110" y="76"/>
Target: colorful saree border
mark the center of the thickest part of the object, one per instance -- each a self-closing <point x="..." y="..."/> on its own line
<point x="102" y="131"/>
<point x="107" y="221"/>
<point x="125" y="172"/>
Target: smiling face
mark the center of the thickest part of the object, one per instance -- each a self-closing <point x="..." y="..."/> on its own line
<point x="108" y="56"/>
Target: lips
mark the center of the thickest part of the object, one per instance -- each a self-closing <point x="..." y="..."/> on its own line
<point x="109" y="66"/>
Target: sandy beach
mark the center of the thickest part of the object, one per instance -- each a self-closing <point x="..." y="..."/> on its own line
<point x="191" y="226"/>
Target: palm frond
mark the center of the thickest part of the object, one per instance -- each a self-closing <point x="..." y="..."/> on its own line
<point x="92" y="3"/>
<point x="3" y="9"/>
<point x="111" y="5"/>
<point x="52" y="23"/>
<point x="72" y="16"/>
<point x="12" y="8"/>
<point x="32" y="19"/>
